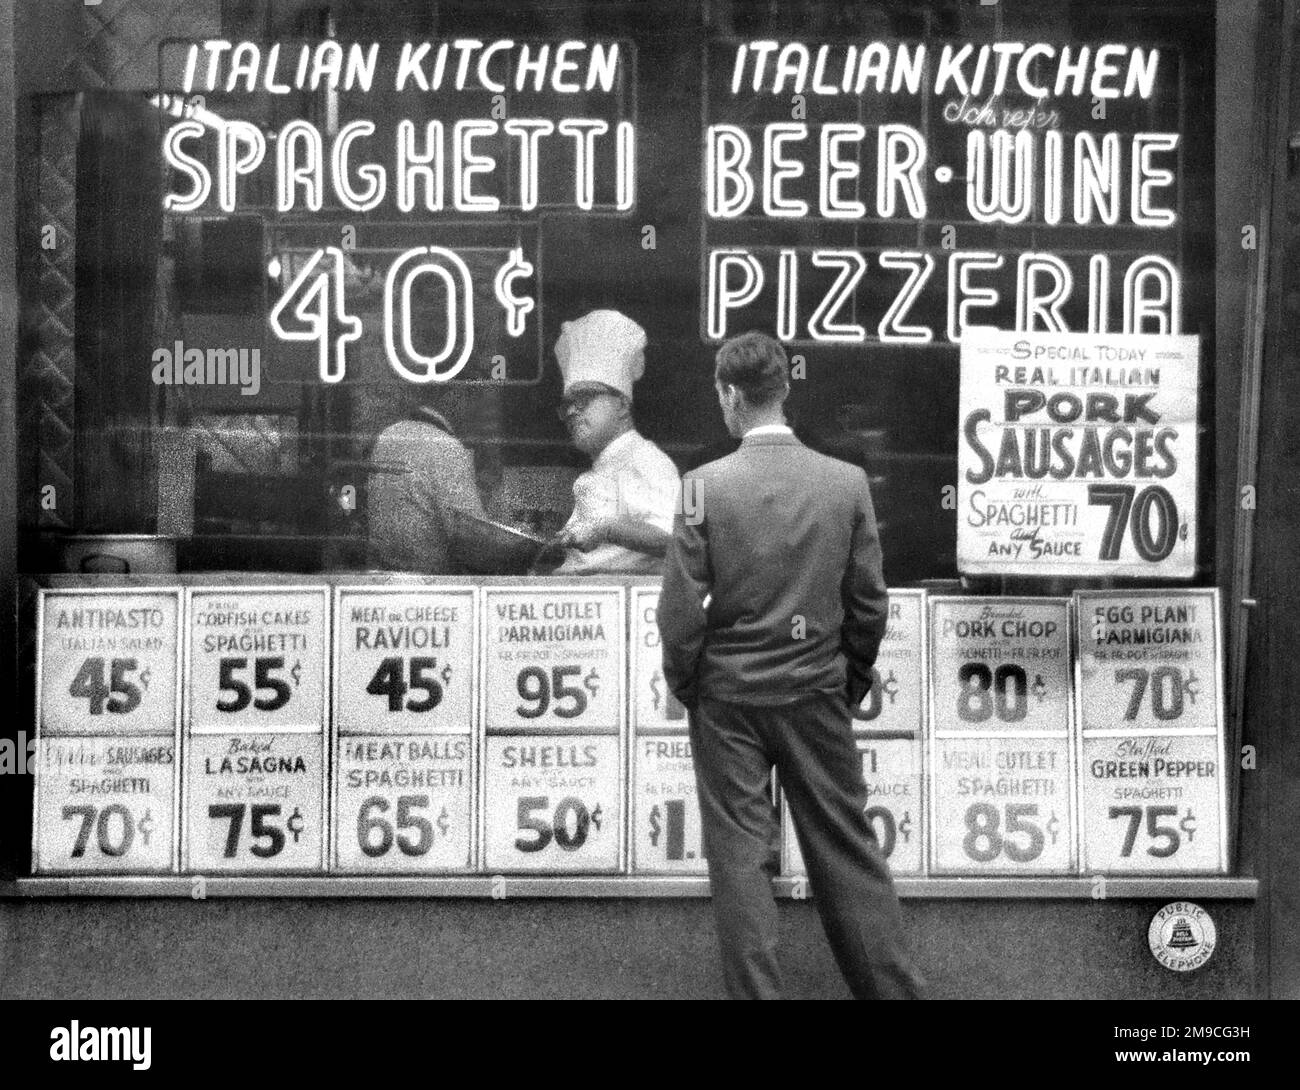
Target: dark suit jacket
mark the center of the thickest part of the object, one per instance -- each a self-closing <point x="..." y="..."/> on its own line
<point x="785" y="547"/>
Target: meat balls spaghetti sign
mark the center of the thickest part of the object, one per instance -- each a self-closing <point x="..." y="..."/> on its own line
<point x="1077" y="454"/>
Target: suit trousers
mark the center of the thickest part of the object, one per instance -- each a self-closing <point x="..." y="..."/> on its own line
<point x="810" y="743"/>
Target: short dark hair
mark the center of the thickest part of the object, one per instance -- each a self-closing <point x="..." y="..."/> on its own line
<point x="757" y="365"/>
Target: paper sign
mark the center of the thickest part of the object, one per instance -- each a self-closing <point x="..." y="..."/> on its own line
<point x="106" y="805"/>
<point x="255" y="803"/>
<point x="1001" y="798"/>
<point x="895" y="807"/>
<point x="1151" y="767"/>
<point x="1077" y="454"/>
<point x="404" y="660"/>
<point x="553" y="659"/>
<point x="108" y="661"/>
<point x="257" y="659"/>
<point x="404" y="804"/>
<point x="553" y="803"/>
<point x="666" y="832"/>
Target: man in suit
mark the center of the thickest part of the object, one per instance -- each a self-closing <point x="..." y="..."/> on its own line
<point x="772" y="610"/>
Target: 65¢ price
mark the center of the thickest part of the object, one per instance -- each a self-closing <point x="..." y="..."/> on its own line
<point x="409" y="829"/>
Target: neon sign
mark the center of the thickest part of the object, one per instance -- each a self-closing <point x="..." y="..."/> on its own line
<point x="473" y="166"/>
<point x="969" y="144"/>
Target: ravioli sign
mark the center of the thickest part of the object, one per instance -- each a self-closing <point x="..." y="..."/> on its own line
<point x="1077" y="455"/>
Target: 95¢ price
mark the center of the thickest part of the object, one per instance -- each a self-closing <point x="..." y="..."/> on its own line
<point x="563" y="691"/>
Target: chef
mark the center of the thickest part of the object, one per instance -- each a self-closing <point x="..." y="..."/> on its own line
<point x="623" y="506"/>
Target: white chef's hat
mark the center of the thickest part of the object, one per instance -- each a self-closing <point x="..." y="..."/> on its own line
<point x="603" y="346"/>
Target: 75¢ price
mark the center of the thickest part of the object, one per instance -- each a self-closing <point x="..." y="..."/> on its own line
<point x="1165" y="827"/>
<point x="267" y="835"/>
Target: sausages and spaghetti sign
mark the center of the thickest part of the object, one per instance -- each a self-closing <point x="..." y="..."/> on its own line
<point x="1077" y="454"/>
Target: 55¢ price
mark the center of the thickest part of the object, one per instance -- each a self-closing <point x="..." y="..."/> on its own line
<point x="261" y="683"/>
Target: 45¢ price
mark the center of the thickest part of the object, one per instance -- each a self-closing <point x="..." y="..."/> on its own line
<point x="108" y="685"/>
<point x="396" y="678"/>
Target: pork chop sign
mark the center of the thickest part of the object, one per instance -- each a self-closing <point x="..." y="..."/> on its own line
<point x="1077" y="454"/>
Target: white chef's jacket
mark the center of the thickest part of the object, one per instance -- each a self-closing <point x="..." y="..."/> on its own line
<point x="631" y="477"/>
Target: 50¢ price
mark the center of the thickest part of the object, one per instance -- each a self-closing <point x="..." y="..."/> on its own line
<point x="569" y="825"/>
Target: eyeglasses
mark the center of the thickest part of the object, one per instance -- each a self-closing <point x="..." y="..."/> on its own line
<point x="579" y="402"/>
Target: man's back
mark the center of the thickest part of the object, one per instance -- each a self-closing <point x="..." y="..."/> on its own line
<point x="407" y="508"/>
<point x="788" y="551"/>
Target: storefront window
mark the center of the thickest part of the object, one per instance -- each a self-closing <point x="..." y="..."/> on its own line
<point x="216" y="210"/>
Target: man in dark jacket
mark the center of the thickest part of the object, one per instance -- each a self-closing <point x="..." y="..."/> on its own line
<point x="772" y="610"/>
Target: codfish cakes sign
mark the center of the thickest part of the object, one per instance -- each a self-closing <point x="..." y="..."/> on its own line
<point x="1077" y="454"/>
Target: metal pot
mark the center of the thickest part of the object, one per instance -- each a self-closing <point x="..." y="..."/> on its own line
<point x="493" y="548"/>
<point x="117" y="554"/>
